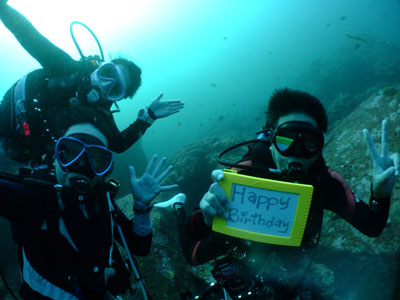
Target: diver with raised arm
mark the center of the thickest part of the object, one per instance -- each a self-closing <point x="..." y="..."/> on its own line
<point x="36" y="110"/>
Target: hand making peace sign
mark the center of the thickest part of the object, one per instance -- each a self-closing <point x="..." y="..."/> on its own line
<point x="385" y="166"/>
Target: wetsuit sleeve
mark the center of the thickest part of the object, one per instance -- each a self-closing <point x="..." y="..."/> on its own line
<point x="21" y="205"/>
<point x="12" y="194"/>
<point x="123" y="140"/>
<point x="344" y="203"/>
<point x="138" y="245"/>
<point x="199" y="244"/>
<point x="50" y="57"/>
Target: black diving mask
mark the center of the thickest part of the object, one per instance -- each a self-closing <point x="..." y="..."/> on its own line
<point x="298" y="139"/>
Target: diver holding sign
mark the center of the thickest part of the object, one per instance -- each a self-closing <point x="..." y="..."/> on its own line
<point x="264" y="210"/>
<point x="289" y="149"/>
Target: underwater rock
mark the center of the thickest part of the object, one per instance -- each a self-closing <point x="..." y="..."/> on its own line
<point x="349" y="72"/>
<point x="347" y="264"/>
<point x="346" y="152"/>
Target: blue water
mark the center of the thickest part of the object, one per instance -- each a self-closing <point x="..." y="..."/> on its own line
<point x="223" y="58"/>
<point x="219" y="57"/>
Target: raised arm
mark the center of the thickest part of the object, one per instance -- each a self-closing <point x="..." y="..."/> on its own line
<point x="50" y="57"/>
<point x="386" y="167"/>
<point x="369" y="219"/>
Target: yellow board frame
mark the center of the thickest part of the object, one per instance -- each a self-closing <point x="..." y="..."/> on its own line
<point x="303" y="191"/>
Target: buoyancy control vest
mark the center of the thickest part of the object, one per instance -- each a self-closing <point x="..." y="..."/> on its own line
<point x="40" y="110"/>
<point x="84" y="257"/>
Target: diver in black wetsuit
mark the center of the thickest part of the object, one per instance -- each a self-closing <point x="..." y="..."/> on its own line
<point x="41" y="105"/>
<point x="66" y="224"/>
<point x="292" y="142"/>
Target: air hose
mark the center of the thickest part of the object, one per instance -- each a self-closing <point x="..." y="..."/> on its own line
<point x="83" y="57"/>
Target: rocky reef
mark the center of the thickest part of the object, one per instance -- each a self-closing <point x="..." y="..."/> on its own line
<point x="351" y="75"/>
<point x="373" y="261"/>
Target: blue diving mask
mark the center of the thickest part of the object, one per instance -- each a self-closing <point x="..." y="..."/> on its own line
<point x="84" y="154"/>
<point x="110" y="81"/>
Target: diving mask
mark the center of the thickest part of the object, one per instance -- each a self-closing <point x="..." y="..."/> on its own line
<point x="298" y="139"/>
<point x="110" y="81"/>
<point x="83" y="154"/>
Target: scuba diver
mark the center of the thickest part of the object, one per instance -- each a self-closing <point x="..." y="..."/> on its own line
<point x="36" y="109"/>
<point x="66" y="224"/>
<point x="288" y="149"/>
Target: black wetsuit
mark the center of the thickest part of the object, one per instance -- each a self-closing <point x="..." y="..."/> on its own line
<point x="331" y="192"/>
<point x="55" y="89"/>
<point x="63" y="253"/>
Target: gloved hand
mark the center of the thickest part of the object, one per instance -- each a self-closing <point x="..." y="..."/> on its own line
<point x="385" y="167"/>
<point x="177" y="200"/>
<point x="166" y="108"/>
<point x="215" y="201"/>
<point x="147" y="187"/>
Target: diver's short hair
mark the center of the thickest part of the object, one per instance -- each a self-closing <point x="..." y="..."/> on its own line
<point x="135" y="75"/>
<point x="286" y="101"/>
